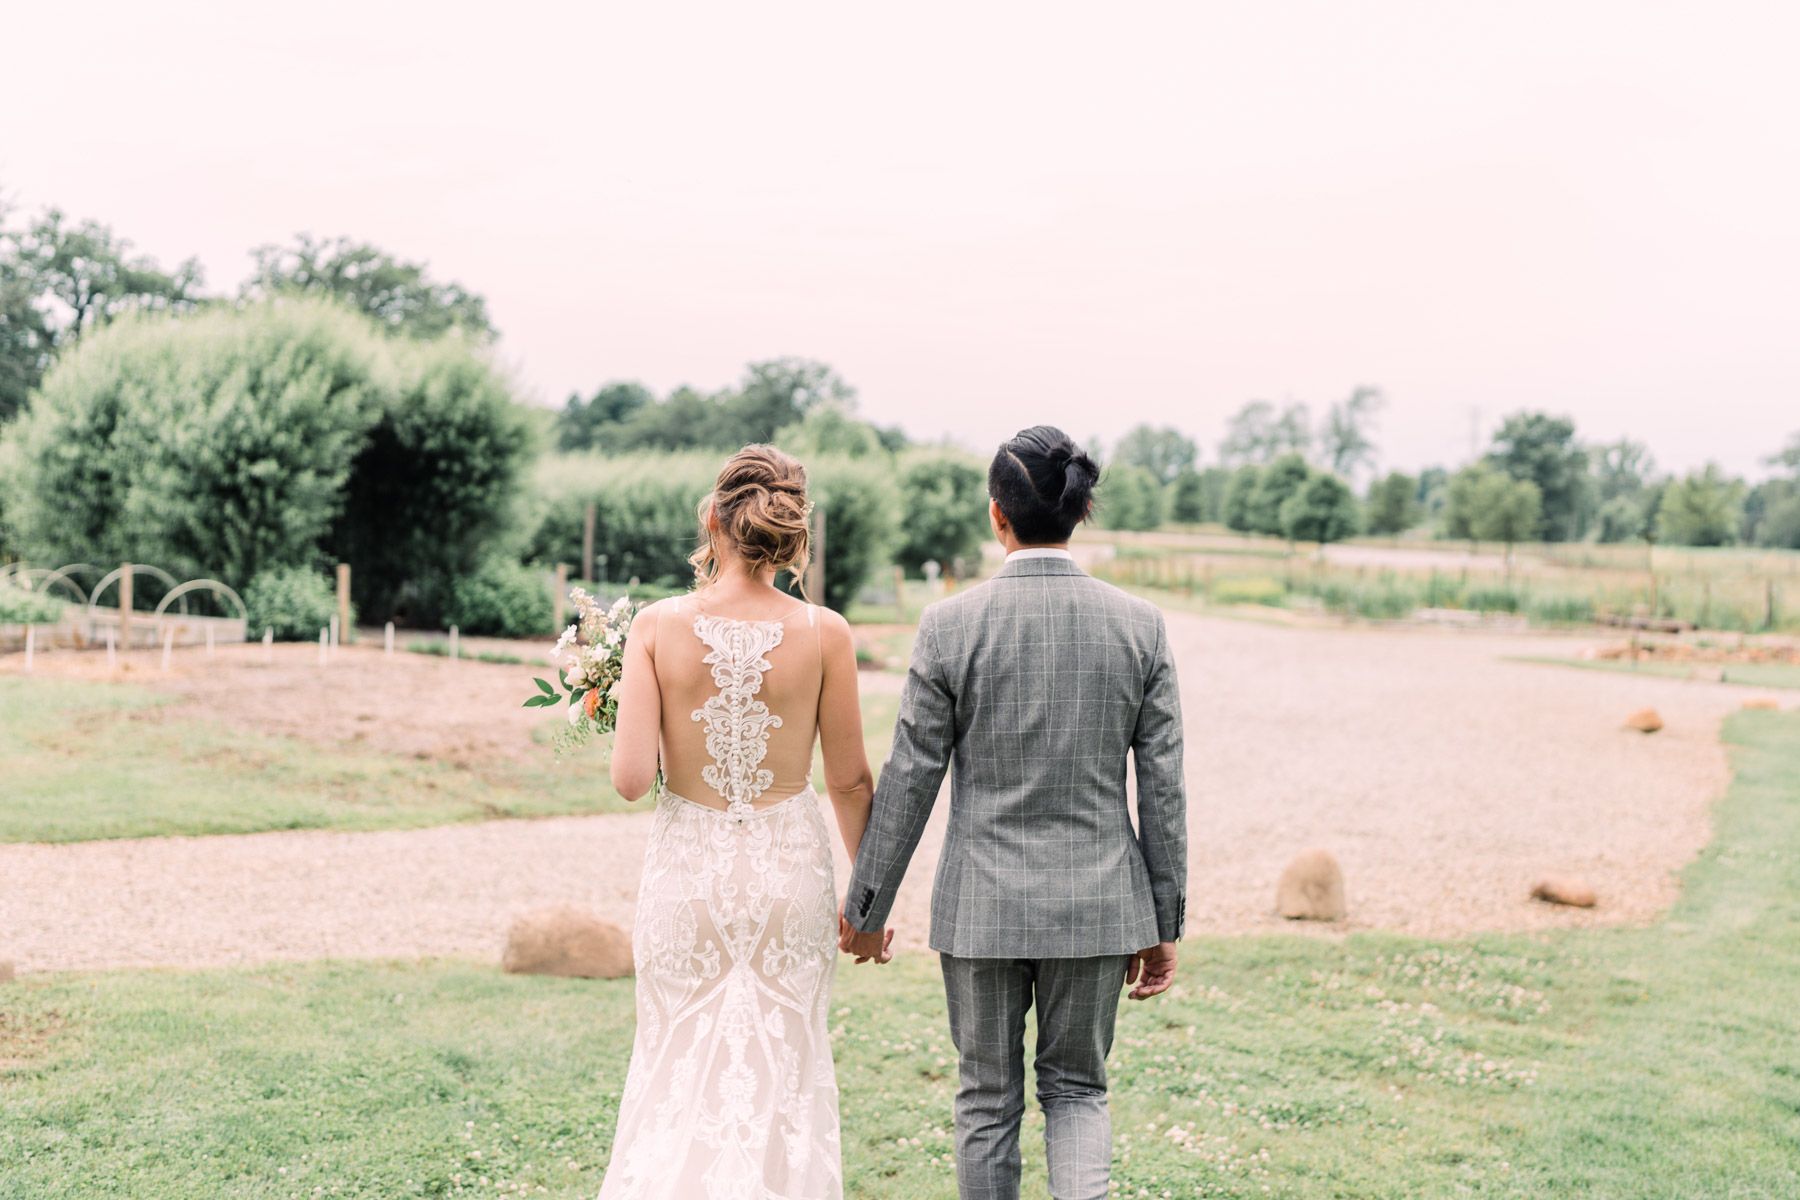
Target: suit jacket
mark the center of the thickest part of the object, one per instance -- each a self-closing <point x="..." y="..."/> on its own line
<point x="1036" y="684"/>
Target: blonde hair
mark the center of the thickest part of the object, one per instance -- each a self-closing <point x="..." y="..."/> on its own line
<point x="760" y="508"/>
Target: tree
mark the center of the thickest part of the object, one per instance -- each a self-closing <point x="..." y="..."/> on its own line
<point x="830" y="428"/>
<point x="1393" y="503"/>
<point x="58" y="280"/>
<point x="1541" y="448"/>
<point x="1701" y="509"/>
<point x="777" y="393"/>
<point x="1788" y="458"/>
<point x="1344" y="440"/>
<point x="1236" y="508"/>
<point x="943" y="509"/>
<point x="1507" y="510"/>
<point x="1164" y="452"/>
<point x="398" y="295"/>
<point x="586" y="424"/>
<point x="1323" y="509"/>
<point x="1277" y="481"/>
<point x="1258" y="434"/>
<point x="1781" y="525"/>
<point x="1129" y="497"/>
<point x="1624" y="518"/>
<point x="1622" y="468"/>
<point x="1189" y="501"/>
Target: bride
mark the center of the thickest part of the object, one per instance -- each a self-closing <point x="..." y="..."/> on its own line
<point x="732" y="1092"/>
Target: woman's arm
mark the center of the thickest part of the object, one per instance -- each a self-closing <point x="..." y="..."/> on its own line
<point x="638" y="738"/>
<point x="847" y="775"/>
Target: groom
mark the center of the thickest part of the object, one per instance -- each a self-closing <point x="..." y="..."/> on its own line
<point x="1037" y="684"/>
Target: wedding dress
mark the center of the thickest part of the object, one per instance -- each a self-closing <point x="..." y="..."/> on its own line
<point x="731" y="1093"/>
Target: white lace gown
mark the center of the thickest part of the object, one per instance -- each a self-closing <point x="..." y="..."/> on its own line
<point x="732" y="1094"/>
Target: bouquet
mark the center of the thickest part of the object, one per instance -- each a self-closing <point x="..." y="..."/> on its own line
<point x="590" y="657"/>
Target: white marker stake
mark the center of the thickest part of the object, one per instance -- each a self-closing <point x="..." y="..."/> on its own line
<point x="112" y="652"/>
<point x="324" y="646"/>
<point x="387" y="639"/>
<point x="168" y="646"/>
<point x="453" y="647"/>
<point x="334" y="632"/>
<point x="268" y="645"/>
<point x="209" y="641"/>
<point x="30" y="645"/>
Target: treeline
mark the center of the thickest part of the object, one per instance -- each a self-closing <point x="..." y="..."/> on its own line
<point x="1536" y="481"/>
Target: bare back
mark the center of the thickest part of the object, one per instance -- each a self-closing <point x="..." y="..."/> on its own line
<point x="740" y="702"/>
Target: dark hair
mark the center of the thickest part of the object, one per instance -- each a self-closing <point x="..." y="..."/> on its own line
<point x="1044" y="483"/>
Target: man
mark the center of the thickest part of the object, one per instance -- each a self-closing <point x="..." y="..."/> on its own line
<point x="1036" y="684"/>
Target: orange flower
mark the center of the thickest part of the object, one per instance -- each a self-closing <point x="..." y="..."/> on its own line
<point x="591" y="702"/>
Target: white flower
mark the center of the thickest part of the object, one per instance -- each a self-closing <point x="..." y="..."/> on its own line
<point x="573" y="675"/>
<point x="612" y="637"/>
<point x="575" y="714"/>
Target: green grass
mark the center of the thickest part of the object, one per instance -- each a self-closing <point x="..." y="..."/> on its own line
<point x="96" y="760"/>
<point x="441" y="649"/>
<point x="1660" y="1064"/>
<point x="1769" y="675"/>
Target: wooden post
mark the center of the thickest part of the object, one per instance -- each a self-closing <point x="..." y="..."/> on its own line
<point x="343" y="618"/>
<point x="559" y="597"/>
<point x="30" y="646"/>
<point x="587" y="543"/>
<point x="125" y="574"/>
<point x="815" y="574"/>
<point x="1768" y="604"/>
<point x="900" y="594"/>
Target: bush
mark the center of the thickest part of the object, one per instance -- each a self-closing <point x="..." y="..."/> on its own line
<point x="20" y="607"/>
<point x="295" y="602"/>
<point x="501" y="599"/>
<point x="861" y="520"/>
<point x="1254" y="589"/>
<point x="1322" y="509"/>
<point x="1274" y="484"/>
<point x="1561" y="610"/>
<point x="1493" y="599"/>
<point x="943" y="508"/>
<point x="1129" y="498"/>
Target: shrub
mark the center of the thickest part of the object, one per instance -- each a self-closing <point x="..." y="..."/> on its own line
<point x="861" y="519"/>
<point x="20" y="607"/>
<point x="1561" y="610"/>
<point x="1129" y="498"/>
<point x="1322" y="509"/>
<point x="295" y="602"/>
<point x="943" y="509"/>
<point x="501" y="599"/>
<point x="1493" y="599"/>
<point x="1274" y="484"/>
<point x="1253" y="589"/>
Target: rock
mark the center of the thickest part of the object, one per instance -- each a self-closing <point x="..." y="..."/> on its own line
<point x="1768" y="703"/>
<point x="568" y="941"/>
<point x="1644" y="720"/>
<point x="1312" y="888"/>
<point x="1560" y="889"/>
<point x="8" y="972"/>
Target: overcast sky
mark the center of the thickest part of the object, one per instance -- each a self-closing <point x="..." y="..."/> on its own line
<point x="988" y="215"/>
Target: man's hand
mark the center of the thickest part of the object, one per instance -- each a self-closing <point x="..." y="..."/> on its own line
<point x="1152" y="970"/>
<point x="865" y="946"/>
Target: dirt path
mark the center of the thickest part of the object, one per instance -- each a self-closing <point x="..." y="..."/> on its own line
<point x="1444" y="778"/>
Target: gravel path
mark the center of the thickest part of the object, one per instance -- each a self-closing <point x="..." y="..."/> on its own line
<point x="1444" y="778"/>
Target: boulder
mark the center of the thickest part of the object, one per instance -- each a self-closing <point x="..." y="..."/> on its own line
<point x="1560" y="889"/>
<point x="1644" y="720"/>
<point x="1768" y="703"/>
<point x="1311" y="888"/>
<point x="568" y="941"/>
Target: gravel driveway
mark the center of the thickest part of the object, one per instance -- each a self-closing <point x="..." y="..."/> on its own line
<point x="1444" y="778"/>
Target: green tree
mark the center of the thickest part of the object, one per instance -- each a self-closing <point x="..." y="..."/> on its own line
<point x="1622" y="468"/>
<point x="1323" y="509"/>
<point x="588" y="424"/>
<point x="1277" y="481"/>
<point x="1543" y="449"/>
<point x="1624" y="518"/>
<point x="1701" y="509"/>
<point x="1258" y="434"/>
<point x="1129" y="498"/>
<point x="1788" y="457"/>
<point x="1165" y="452"/>
<point x="1345" y="440"/>
<point x="400" y="296"/>
<point x="1780" y="526"/>
<point x="830" y="428"/>
<point x="685" y="420"/>
<point x="861" y="523"/>
<point x="1393" y="503"/>
<point x="943" y="509"/>
<point x="1238" y="495"/>
<point x="1507" y="510"/>
<point x="777" y="393"/>
<point x="1190" y="503"/>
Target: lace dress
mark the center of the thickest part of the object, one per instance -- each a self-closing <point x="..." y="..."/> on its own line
<point x="732" y="1094"/>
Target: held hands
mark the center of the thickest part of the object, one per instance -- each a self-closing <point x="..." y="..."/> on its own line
<point x="865" y="946"/>
<point x="1152" y="970"/>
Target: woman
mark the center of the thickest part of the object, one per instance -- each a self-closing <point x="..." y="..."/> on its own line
<point x="731" y="1091"/>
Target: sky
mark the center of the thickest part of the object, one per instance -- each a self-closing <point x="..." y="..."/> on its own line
<point x="988" y="216"/>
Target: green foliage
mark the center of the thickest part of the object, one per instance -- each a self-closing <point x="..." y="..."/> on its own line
<point x="1485" y="504"/>
<point x="216" y="445"/>
<point x="20" y="607"/>
<point x="943" y="508"/>
<point x="1165" y="452"/>
<point x="1129" y="498"/>
<point x="398" y="296"/>
<point x="1322" y="509"/>
<point x="1276" y="482"/>
<point x="1248" y="589"/>
<point x="1542" y="449"/>
<point x="1781" y="525"/>
<point x="1345" y="442"/>
<point x="830" y="428"/>
<point x="295" y="602"/>
<point x="861" y="524"/>
<point x="1702" y="509"/>
<point x="583" y="424"/>
<point x="500" y="598"/>
<point x="1258" y="434"/>
<point x="1190" y="502"/>
<point x="1236" y="510"/>
<point x="1623" y="519"/>
<point x="434" y="489"/>
<point x="1393" y="504"/>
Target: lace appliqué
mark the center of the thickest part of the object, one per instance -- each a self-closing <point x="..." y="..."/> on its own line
<point x="737" y="723"/>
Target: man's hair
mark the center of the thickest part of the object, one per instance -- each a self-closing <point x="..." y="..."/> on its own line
<point x="1044" y="483"/>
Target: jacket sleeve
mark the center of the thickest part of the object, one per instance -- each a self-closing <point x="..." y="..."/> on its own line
<point x="1156" y="750"/>
<point x="924" y="737"/>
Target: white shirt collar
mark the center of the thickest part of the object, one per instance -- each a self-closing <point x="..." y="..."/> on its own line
<point x="1040" y="552"/>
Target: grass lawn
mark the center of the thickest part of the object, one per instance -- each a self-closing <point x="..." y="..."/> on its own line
<point x="1660" y="1064"/>
<point x="1769" y="675"/>
<point x="100" y="760"/>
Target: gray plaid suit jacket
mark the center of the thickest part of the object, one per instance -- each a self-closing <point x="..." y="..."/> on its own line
<point x="1036" y="684"/>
